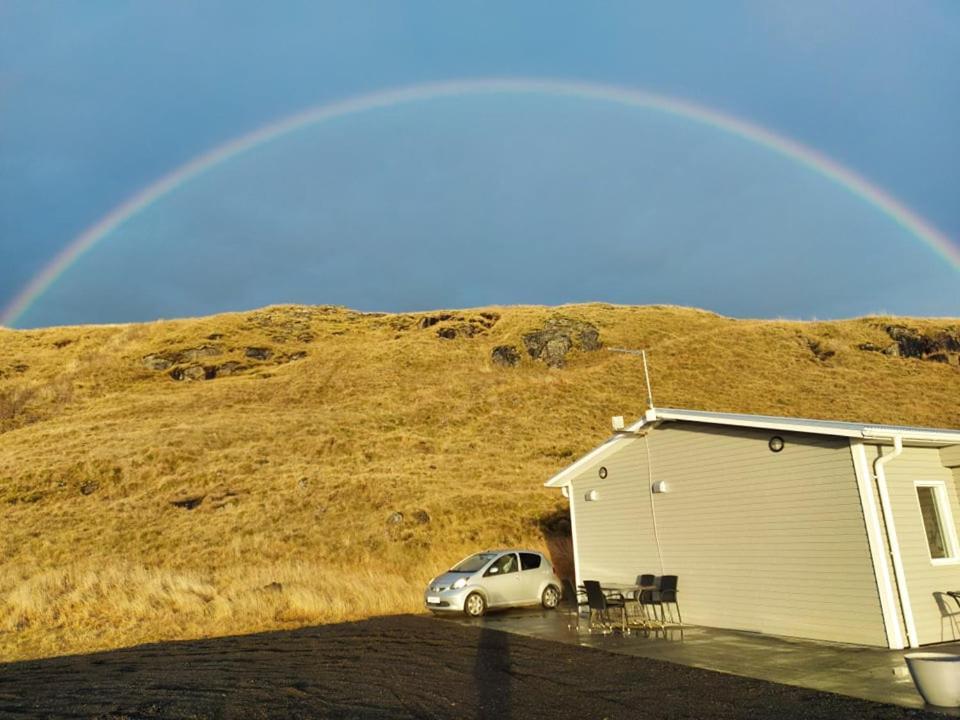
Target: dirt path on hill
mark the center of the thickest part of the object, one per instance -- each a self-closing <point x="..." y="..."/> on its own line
<point x="397" y="667"/>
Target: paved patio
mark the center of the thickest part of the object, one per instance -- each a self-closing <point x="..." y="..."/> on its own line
<point x="857" y="671"/>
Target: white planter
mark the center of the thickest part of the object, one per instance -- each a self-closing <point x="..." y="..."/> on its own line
<point x="937" y="677"/>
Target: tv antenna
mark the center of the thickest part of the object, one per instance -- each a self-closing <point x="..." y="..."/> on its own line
<point x="646" y="371"/>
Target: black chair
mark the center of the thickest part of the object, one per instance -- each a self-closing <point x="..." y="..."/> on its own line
<point x="645" y="583"/>
<point x="602" y="603"/>
<point x="667" y="595"/>
<point x="572" y="598"/>
<point x="647" y="580"/>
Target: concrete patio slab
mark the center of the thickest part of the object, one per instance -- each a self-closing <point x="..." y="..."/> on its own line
<point x="862" y="672"/>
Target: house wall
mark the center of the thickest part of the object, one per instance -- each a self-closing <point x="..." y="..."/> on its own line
<point x="763" y="541"/>
<point x="950" y="456"/>
<point x="923" y="577"/>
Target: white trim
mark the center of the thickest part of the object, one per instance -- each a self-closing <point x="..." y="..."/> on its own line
<point x="573" y="537"/>
<point x="888" y="599"/>
<point x="804" y="425"/>
<point x="945" y="515"/>
<point x="903" y="588"/>
<point x="598" y="453"/>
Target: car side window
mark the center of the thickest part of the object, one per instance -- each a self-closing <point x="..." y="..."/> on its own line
<point x="530" y="561"/>
<point x="503" y="565"/>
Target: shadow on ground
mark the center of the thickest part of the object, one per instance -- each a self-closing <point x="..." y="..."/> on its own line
<point x="397" y="667"/>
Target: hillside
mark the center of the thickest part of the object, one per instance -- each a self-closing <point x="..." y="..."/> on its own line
<point x="298" y="465"/>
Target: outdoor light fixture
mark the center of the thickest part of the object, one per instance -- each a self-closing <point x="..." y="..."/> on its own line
<point x="602" y="472"/>
<point x="617" y="422"/>
<point x="565" y="490"/>
<point x="776" y="443"/>
<point x="592" y="496"/>
<point x="660" y="486"/>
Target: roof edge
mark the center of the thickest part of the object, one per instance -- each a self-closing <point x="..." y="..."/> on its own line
<point x="836" y="428"/>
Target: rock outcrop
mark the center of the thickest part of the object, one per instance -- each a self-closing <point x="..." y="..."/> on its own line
<point x="505" y="356"/>
<point x="943" y="346"/>
<point x="558" y="336"/>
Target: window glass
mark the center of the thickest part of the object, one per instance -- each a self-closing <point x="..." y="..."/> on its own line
<point x="473" y="563"/>
<point x="929" y="509"/>
<point x="505" y="564"/>
<point x="529" y="561"/>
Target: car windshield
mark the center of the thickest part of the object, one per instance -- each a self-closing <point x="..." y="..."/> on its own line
<point x="473" y="563"/>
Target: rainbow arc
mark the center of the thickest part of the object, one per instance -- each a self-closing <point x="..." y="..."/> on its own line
<point x="795" y="151"/>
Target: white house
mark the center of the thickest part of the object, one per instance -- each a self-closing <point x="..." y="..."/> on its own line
<point x="807" y="528"/>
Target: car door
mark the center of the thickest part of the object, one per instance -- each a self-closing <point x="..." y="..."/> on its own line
<point x="502" y="581"/>
<point x="531" y="575"/>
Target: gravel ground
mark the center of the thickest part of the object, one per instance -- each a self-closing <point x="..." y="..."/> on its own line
<point x="398" y="667"/>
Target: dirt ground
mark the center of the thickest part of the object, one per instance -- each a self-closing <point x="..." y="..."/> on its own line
<point x="397" y="667"/>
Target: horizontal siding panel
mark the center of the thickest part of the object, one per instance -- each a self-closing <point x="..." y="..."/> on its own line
<point x="950" y="456"/>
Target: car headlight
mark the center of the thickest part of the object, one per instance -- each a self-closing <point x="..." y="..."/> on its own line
<point x="462" y="582"/>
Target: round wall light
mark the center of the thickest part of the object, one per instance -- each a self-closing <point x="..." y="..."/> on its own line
<point x="592" y="496"/>
<point x="776" y="443"/>
<point x="602" y="472"/>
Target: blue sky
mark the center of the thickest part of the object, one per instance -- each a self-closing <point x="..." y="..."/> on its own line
<point x="100" y="99"/>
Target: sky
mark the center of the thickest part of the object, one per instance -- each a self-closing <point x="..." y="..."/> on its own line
<point x="482" y="197"/>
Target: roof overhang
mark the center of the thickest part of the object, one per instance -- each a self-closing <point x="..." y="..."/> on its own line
<point x="877" y="434"/>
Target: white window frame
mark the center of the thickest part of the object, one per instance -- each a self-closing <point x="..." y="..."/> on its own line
<point x="945" y="513"/>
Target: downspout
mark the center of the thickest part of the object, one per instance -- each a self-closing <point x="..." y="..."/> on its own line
<point x="898" y="572"/>
<point x="568" y="491"/>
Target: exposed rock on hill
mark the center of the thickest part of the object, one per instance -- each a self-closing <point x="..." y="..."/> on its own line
<point x="505" y="355"/>
<point x="164" y="360"/>
<point x="453" y="325"/>
<point x="558" y="336"/>
<point x="942" y="346"/>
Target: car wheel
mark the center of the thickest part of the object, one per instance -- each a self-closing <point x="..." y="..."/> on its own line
<point x="475" y="605"/>
<point x="550" y="598"/>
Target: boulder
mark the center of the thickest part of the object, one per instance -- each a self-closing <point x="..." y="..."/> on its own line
<point x="505" y="356"/>
<point x="192" y="372"/>
<point x="558" y="336"/>
<point x="911" y="343"/>
<point x="258" y="353"/>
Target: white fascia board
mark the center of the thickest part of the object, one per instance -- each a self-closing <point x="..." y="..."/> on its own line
<point x="946" y="437"/>
<point x="566" y="475"/>
<point x="801" y="425"/>
<point x="784" y="425"/>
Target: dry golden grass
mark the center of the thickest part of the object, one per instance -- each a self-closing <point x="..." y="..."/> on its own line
<point x="301" y="462"/>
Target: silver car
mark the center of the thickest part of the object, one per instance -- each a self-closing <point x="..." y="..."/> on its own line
<point x="494" y="579"/>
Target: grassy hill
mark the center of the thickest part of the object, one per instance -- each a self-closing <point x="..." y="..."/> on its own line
<point x="299" y="465"/>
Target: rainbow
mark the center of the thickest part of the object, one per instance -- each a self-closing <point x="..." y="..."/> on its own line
<point x="801" y="154"/>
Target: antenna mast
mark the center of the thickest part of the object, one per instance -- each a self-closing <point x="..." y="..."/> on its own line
<point x="646" y="371"/>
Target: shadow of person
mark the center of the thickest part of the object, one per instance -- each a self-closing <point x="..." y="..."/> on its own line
<point x="491" y="674"/>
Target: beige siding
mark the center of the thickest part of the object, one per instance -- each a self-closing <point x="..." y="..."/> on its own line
<point x="923" y="577"/>
<point x="950" y="456"/>
<point x="772" y="542"/>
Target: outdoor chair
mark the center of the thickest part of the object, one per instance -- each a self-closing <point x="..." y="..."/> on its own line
<point x="645" y="583"/>
<point x="665" y="593"/>
<point x="573" y="598"/>
<point x="602" y="603"/>
<point x="949" y="613"/>
<point x="667" y="596"/>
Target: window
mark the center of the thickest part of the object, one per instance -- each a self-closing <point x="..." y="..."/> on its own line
<point x="503" y="565"/>
<point x="937" y="521"/>
<point x="529" y="561"/>
<point x="472" y="563"/>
